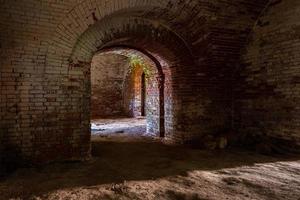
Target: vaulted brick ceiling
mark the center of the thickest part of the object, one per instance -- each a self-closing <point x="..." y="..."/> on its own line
<point x="213" y="31"/>
<point x="47" y="48"/>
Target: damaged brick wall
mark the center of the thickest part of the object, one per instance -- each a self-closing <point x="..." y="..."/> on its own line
<point x="107" y="74"/>
<point x="267" y="91"/>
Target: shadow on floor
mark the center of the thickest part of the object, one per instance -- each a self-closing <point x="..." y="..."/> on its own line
<point x="116" y="162"/>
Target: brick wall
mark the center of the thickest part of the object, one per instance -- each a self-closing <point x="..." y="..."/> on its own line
<point x="108" y="72"/>
<point x="267" y="98"/>
<point x="47" y="49"/>
<point x="133" y="91"/>
<point x="39" y="110"/>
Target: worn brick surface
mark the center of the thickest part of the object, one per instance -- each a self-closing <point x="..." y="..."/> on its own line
<point x="267" y="98"/>
<point x="107" y="79"/>
<point x="132" y="90"/>
<point x="46" y="50"/>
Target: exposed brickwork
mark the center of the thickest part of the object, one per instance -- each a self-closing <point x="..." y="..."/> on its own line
<point x="207" y="86"/>
<point x="267" y="98"/>
<point x="25" y="94"/>
<point x="46" y="50"/>
<point x="116" y="86"/>
<point x="108" y="72"/>
<point x="133" y="91"/>
<point x="133" y="95"/>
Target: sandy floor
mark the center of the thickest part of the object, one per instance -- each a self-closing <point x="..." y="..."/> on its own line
<point x="120" y="127"/>
<point x="136" y="167"/>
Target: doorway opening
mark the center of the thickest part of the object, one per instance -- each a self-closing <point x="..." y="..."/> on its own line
<point x="126" y="95"/>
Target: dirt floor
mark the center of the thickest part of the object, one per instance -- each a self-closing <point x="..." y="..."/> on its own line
<point x="132" y="166"/>
<point x="119" y="126"/>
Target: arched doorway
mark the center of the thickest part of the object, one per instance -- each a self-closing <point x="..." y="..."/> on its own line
<point x="154" y="39"/>
<point x="143" y="87"/>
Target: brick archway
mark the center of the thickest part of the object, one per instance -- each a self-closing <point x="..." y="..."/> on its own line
<point x="160" y="77"/>
<point x="196" y="90"/>
<point x="199" y="41"/>
<point x="157" y="42"/>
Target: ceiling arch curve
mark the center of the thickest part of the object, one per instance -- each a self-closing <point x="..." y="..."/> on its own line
<point x="205" y="28"/>
<point x="85" y="16"/>
<point x="141" y="33"/>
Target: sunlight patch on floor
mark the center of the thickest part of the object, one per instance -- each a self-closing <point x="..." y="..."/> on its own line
<point x="120" y="125"/>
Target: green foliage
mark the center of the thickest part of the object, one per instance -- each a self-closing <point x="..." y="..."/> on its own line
<point x="136" y="61"/>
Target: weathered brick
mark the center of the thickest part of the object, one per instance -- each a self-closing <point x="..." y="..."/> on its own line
<point x="211" y="85"/>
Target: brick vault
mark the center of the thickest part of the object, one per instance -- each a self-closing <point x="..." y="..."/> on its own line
<point x="231" y="68"/>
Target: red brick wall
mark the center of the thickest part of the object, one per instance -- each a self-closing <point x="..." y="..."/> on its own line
<point x="267" y="91"/>
<point x="108" y="72"/>
<point x="133" y="91"/>
<point x="47" y="49"/>
<point x="39" y="112"/>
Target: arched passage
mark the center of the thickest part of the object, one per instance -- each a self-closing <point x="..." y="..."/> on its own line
<point x="229" y="71"/>
<point x="198" y="43"/>
<point x="155" y="41"/>
<point x="199" y="85"/>
<point x="158" y="76"/>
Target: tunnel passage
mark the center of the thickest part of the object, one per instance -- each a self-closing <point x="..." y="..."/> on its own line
<point x="215" y="57"/>
<point x="145" y="69"/>
<point x="126" y="82"/>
